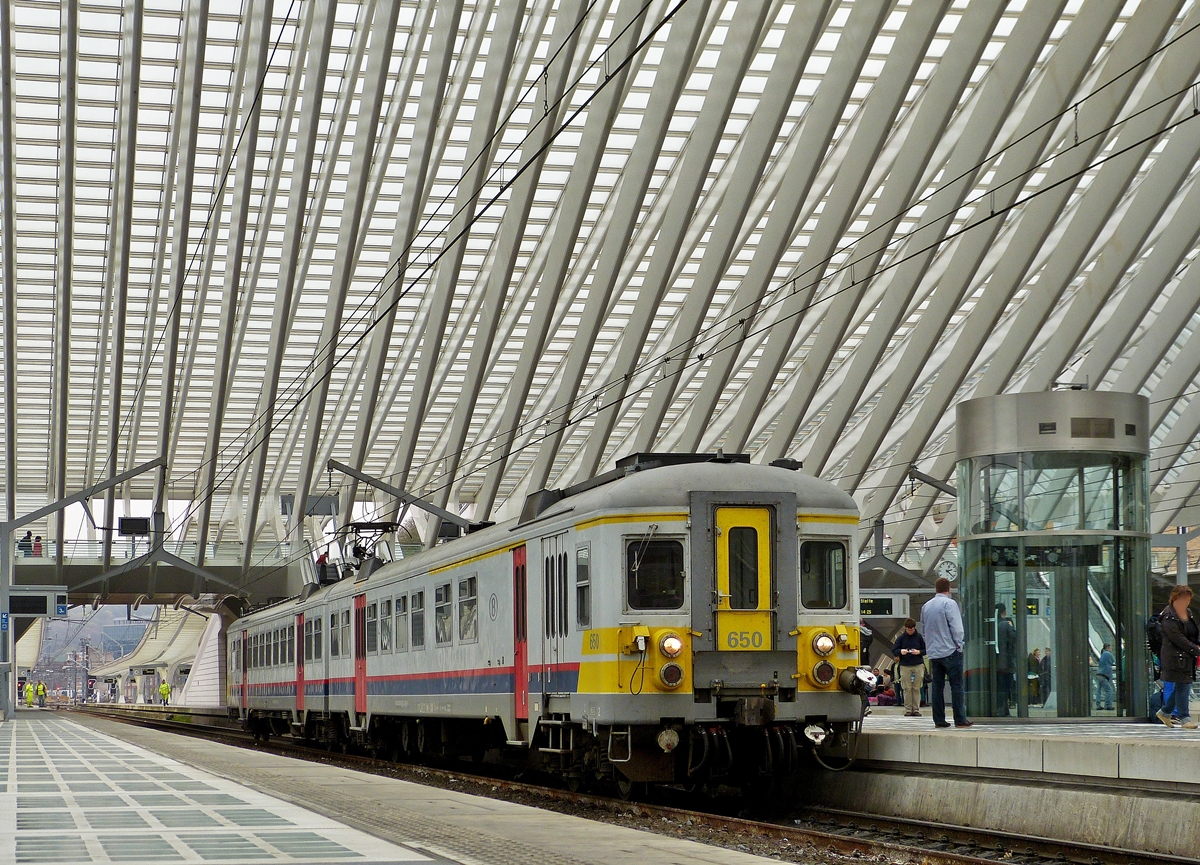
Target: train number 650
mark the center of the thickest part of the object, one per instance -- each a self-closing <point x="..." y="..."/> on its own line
<point x="744" y="639"/>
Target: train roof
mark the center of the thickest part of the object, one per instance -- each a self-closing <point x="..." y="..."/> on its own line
<point x="646" y="484"/>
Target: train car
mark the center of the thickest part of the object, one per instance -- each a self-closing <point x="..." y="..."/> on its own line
<point x="681" y="619"/>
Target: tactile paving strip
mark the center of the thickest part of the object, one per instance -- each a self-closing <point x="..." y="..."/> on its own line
<point x="70" y="795"/>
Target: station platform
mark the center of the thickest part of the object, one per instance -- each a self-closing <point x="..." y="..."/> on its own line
<point x="84" y="790"/>
<point x="1125" y="750"/>
<point x="1134" y="786"/>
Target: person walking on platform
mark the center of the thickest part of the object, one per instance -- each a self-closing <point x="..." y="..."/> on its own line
<point x="164" y="691"/>
<point x="41" y="694"/>
<point x="909" y="652"/>
<point x="29" y="695"/>
<point x="942" y="623"/>
<point x="1104" y="679"/>
<point x="1179" y="653"/>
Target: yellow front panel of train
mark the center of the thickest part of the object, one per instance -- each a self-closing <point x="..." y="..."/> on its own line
<point x="744" y="596"/>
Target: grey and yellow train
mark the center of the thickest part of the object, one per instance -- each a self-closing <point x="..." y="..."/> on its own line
<point x="677" y="620"/>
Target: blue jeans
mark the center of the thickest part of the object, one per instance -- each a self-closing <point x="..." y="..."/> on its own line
<point x="948" y="668"/>
<point x="1104" y="692"/>
<point x="1177" y="700"/>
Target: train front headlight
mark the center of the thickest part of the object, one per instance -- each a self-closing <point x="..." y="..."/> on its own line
<point x="823" y="644"/>
<point x="670" y="645"/>
<point x="671" y="675"/>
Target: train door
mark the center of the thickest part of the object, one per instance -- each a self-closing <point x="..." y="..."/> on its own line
<point x="554" y="613"/>
<point x="745" y="593"/>
<point x="245" y="663"/>
<point x="520" y="597"/>
<point x="298" y="645"/>
<point x="360" y="654"/>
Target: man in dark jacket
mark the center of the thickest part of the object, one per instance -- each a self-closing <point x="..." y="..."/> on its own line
<point x="1006" y="659"/>
<point x="909" y="652"/>
<point x="1179" y="654"/>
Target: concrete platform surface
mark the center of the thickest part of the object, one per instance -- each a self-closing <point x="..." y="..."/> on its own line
<point x="406" y="821"/>
<point x="1129" y="751"/>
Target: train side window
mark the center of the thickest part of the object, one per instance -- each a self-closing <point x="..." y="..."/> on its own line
<point x="654" y="574"/>
<point x="418" y="620"/>
<point x="402" y="623"/>
<point x="468" y="610"/>
<point x="743" y="568"/>
<point x="823" y="575"/>
<point x="583" y="587"/>
<point x="443" y="627"/>
<point x="335" y="643"/>
<point x="291" y="644"/>
<point x="317" y="639"/>
<point x="347" y="646"/>
<point x="308" y="628"/>
<point x="385" y="625"/>
<point x="372" y="628"/>
<point x="275" y="641"/>
<point x="563" y="613"/>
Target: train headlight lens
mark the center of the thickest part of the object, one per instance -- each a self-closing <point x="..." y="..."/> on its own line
<point x="671" y="675"/>
<point x="823" y="644"/>
<point x="824" y="672"/>
<point x="670" y="645"/>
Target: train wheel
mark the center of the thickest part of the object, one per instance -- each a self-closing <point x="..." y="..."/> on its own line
<point x="628" y="790"/>
<point x="421" y="739"/>
<point x="406" y="739"/>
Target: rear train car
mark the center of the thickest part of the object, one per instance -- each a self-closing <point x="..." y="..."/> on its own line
<point x="681" y="619"/>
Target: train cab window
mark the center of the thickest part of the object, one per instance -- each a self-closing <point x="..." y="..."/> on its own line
<point x="743" y="568"/>
<point x="443" y="633"/>
<point x="823" y="575"/>
<point x="335" y="642"/>
<point x="372" y="628"/>
<point x="468" y="610"/>
<point x="317" y="639"/>
<point x="385" y="625"/>
<point x="402" y="623"/>
<point x="583" y="587"/>
<point x="654" y="574"/>
<point x="347" y="646"/>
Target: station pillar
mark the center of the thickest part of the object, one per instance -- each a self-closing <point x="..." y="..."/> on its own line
<point x="1054" y="553"/>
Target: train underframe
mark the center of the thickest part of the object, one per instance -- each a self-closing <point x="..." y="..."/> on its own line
<point x="672" y="752"/>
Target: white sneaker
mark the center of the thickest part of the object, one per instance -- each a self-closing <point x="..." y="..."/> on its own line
<point x="1165" y="718"/>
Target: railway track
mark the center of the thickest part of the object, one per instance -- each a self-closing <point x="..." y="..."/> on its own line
<point x="812" y="834"/>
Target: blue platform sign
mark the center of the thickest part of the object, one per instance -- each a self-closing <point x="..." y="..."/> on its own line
<point x="60" y="609"/>
<point x="3" y="621"/>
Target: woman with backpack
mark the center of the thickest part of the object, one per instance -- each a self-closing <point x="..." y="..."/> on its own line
<point x="1180" y="650"/>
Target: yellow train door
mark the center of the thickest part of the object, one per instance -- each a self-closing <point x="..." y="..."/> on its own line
<point x="745" y="600"/>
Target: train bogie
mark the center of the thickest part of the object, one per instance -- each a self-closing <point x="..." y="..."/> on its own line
<point x="674" y="623"/>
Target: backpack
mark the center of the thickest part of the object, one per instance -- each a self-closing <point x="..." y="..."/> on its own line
<point x="1154" y="634"/>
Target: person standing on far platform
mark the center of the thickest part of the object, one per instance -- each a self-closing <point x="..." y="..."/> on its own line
<point x="41" y="694"/>
<point x="1179" y="654"/>
<point x="29" y="694"/>
<point x="1045" y="675"/>
<point x="164" y="691"/>
<point x="1006" y="660"/>
<point x="1104" y="679"/>
<point x="942" y="623"/>
<point x="25" y="545"/>
<point x="909" y="652"/>
<point x="37" y="547"/>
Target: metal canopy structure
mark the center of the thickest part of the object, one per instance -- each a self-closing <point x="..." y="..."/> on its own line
<point x="479" y="247"/>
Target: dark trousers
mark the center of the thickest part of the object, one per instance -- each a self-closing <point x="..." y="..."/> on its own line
<point x="948" y="668"/>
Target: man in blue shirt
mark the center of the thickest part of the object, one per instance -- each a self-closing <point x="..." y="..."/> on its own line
<point x="942" y="624"/>
<point x="1104" y="679"/>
